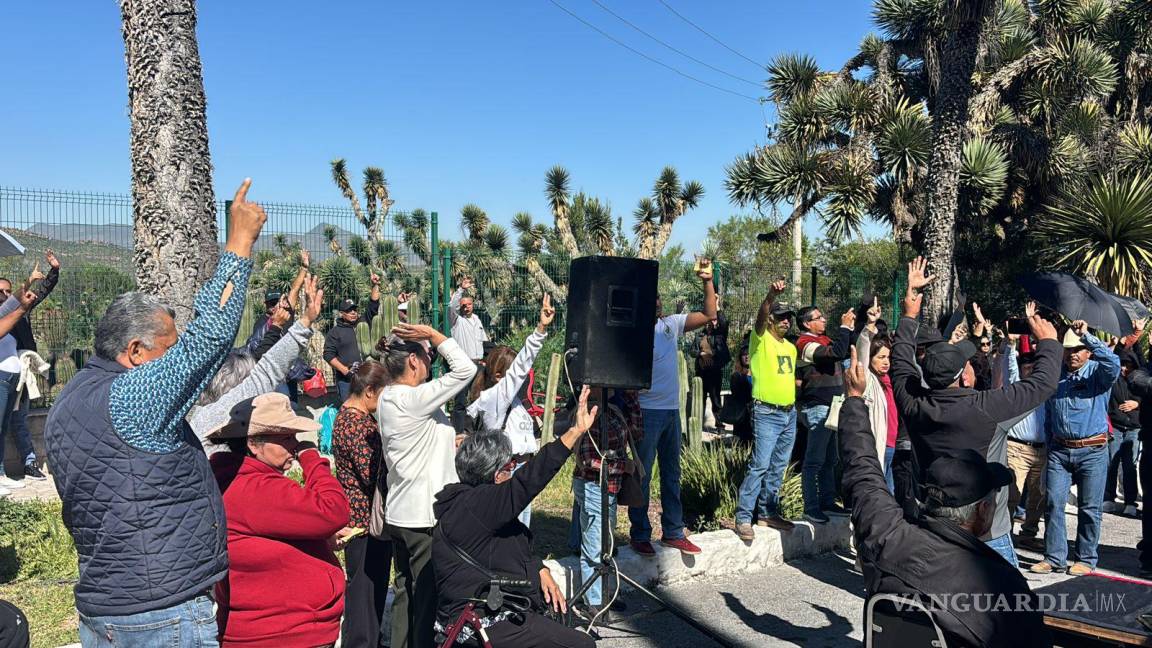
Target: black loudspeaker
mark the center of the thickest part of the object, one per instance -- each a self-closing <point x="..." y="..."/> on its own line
<point x="611" y="321"/>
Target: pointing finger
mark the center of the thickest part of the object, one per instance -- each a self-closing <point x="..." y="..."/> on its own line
<point x="242" y="192"/>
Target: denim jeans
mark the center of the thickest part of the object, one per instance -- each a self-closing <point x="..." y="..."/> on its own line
<point x="343" y="388"/>
<point x="888" y="454"/>
<point x="1087" y="468"/>
<point x="8" y="382"/>
<point x="588" y="498"/>
<point x="818" y="476"/>
<point x="661" y="438"/>
<point x="1123" y="449"/>
<point x="1003" y="546"/>
<point x="18" y="426"/>
<point x="191" y="624"/>
<point x="775" y="433"/>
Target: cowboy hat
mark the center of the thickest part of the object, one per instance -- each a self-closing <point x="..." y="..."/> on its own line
<point x="266" y="414"/>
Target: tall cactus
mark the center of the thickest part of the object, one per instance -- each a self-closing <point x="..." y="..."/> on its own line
<point x="546" y="433"/>
<point x="696" y="421"/>
<point x="364" y="339"/>
<point x="247" y="320"/>
<point x="414" y="310"/>
<point x="682" y="372"/>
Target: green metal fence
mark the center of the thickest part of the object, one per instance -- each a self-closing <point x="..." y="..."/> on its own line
<point x="92" y="235"/>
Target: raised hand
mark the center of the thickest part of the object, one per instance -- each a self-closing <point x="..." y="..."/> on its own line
<point x="36" y="275"/>
<point x="27" y="299"/>
<point x="1080" y="327"/>
<point x="777" y="288"/>
<point x="279" y="317"/>
<point x="705" y="273"/>
<point x="856" y="377"/>
<point x="547" y="313"/>
<point x="584" y="416"/>
<point x="246" y="220"/>
<point x="374" y="278"/>
<point x="958" y="334"/>
<point x="314" y="301"/>
<point x="305" y="258"/>
<point x="1030" y="310"/>
<point x="50" y="256"/>
<point x="1042" y="329"/>
<point x="466" y="282"/>
<point x="979" y="314"/>
<point x="848" y="319"/>
<point x="918" y="277"/>
<point x="875" y="312"/>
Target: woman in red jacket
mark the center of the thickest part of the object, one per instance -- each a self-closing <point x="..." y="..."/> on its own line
<point x="284" y="585"/>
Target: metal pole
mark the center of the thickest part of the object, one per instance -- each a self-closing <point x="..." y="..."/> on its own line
<point x="227" y="219"/>
<point x="435" y="271"/>
<point x="812" y="271"/>
<point x="447" y="255"/>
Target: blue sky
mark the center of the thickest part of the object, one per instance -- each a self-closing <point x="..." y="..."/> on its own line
<point x="458" y="102"/>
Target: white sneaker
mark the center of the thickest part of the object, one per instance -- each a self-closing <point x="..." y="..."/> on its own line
<point x="1113" y="506"/>
<point x="1130" y="511"/>
<point x="10" y="484"/>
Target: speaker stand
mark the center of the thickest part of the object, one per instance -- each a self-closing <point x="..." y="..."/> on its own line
<point x="608" y="567"/>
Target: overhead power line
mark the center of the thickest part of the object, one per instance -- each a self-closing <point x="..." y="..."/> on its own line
<point x="673" y="48"/>
<point x="705" y="32"/>
<point x="649" y="58"/>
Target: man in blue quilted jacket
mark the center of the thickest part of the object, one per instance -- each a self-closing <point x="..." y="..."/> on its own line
<point x="139" y="497"/>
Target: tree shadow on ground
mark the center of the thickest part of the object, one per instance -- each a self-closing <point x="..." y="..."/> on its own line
<point x="837" y="632"/>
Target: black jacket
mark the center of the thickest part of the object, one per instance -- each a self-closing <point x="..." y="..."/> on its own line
<point x="481" y="520"/>
<point x="1140" y="386"/>
<point x="341" y="341"/>
<point x="944" y="420"/>
<point x="930" y="556"/>
<point x="1124" y="421"/>
<point x="818" y="366"/>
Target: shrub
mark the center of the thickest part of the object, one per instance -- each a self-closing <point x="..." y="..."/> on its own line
<point x="34" y="544"/>
<point x="710" y="481"/>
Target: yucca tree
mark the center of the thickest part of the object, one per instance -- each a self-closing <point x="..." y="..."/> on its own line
<point x="818" y="157"/>
<point x="556" y="183"/>
<point x="376" y="197"/>
<point x="1104" y="231"/>
<point x="173" y="205"/>
<point x="671" y="199"/>
<point x="531" y="245"/>
<point x="484" y="253"/>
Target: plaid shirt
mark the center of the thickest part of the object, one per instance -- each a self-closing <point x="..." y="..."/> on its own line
<point x="621" y="417"/>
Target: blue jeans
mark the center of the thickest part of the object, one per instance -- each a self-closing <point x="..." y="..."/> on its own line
<point x="343" y="388"/>
<point x="775" y="433"/>
<point x="888" y="454"/>
<point x="8" y="383"/>
<point x="1087" y="468"/>
<point x="661" y="437"/>
<point x="588" y="498"/>
<point x="818" y="476"/>
<point x="1003" y="546"/>
<point x="191" y="624"/>
<point x="1123" y="449"/>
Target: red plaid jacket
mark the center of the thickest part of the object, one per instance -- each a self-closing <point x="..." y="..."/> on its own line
<point x="621" y="418"/>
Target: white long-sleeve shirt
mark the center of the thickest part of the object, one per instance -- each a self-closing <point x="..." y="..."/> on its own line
<point x="468" y="331"/>
<point x="495" y="401"/>
<point x="419" y="440"/>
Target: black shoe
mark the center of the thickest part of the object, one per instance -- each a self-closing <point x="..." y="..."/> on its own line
<point x="588" y="612"/>
<point x="32" y="472"/>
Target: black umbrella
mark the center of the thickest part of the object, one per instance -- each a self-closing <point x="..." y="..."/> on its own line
<point x="1078" y="299"/>
<point x="1132" y="306"/>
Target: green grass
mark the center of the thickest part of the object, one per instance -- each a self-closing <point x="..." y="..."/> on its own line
<point x="38" y="568"/>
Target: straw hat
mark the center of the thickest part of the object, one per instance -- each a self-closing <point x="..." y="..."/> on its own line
<point x="264" y="414"/>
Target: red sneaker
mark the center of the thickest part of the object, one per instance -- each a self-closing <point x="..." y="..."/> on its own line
<point x="683" y="544"/>
<point x="643" y="548"/>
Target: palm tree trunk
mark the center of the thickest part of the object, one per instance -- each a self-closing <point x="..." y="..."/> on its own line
<point x="174" y="207"/>
<point x="949" y="126"/>
<point x="797" y="260"/>
<point x="564" y="227"/>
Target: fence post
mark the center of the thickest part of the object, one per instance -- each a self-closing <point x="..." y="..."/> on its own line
<point x="812" y="272"/>
<point x="435" y="272"/>
<point x="227" y="219"/>
<point x="447" y="255"/>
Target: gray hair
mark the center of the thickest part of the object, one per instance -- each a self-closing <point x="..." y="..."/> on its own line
<point x="131" y="316"/>
<point x="481" y="455"/>
<point x="236" y="368"/>
<point x="959" y="515"/>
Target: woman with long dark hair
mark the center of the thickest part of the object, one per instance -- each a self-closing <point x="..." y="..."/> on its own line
<point x="359" y="458"/>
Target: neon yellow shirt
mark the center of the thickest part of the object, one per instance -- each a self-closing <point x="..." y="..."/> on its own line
<point x="773" y="369"/>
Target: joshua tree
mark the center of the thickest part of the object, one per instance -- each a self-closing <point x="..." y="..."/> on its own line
<point x="376" y="197"/>
<point x="174" y="208"/>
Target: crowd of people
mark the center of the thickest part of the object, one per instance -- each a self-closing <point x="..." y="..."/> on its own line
<point x="171" y="453"/>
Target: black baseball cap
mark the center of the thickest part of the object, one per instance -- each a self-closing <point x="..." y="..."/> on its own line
<point x="272" y="298"/>
<point x="13" y="627"/>
<point x="346" y="306"/>
<point x="963" y="477"/>
<point x="781" y="310"/>
<point x="943" y="363"/>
